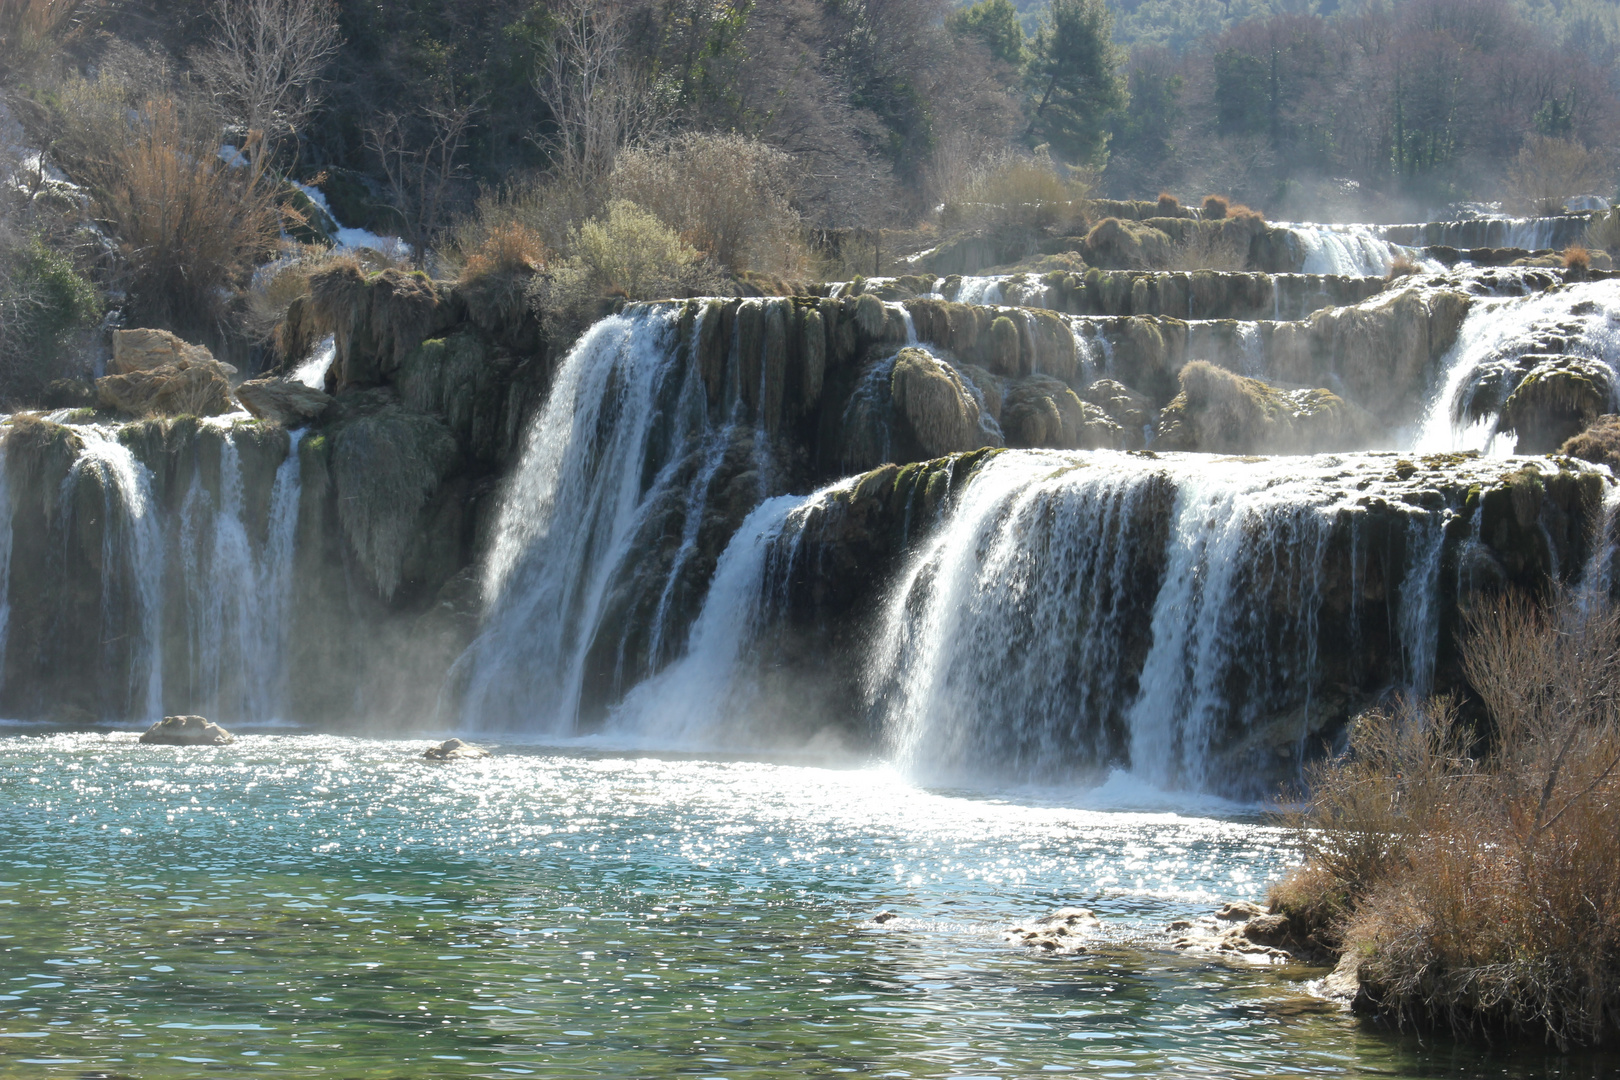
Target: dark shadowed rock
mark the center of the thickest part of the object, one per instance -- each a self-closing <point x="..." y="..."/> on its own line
<point x="187" y="731"/>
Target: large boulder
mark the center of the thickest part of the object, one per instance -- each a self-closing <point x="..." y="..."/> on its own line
<point x="186" y="731"/>
<point x="183" y="387"/>
<point x="287" y="402"/>
<point x="142" y="350"/>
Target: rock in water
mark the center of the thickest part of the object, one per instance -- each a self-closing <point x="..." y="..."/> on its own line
<point x="454" y="750"/>
<point x="283" y="401"/>
<point x="1062" y="933"/>
<point x="187" y="731"/>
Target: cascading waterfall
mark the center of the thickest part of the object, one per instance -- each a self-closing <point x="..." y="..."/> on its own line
<point x="1352" y="250"/>
<point x="1485" y="365"/>
<point x="132" y="559"/>
<point x="7" y="512"/>
<point x="238" y="594"/>
<point x="627" y="428"/>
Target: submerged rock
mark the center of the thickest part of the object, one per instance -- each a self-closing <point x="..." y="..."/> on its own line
<point x="1062" y="933"/>
<point x="187" y="731"/>
<point x="1246" y="932"/>
<point x="454" y="750"/>
<point x="283" y="401"/>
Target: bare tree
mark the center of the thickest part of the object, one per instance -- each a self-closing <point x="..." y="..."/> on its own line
<point x="264" y="62"/>
<point x="597" y="99"/>
<point x="419" y="157"/>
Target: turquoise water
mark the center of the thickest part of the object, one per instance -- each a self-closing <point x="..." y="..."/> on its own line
<point x="324" y="906"/>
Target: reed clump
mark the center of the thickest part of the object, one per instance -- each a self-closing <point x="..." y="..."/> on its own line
<point x="1473" y="869"/>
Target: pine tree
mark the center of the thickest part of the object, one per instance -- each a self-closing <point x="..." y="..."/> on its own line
<point x="1075" y="80"/>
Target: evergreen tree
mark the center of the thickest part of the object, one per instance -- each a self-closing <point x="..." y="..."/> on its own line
<point x="995" y="23"/>
<point x="1074" y="77"/>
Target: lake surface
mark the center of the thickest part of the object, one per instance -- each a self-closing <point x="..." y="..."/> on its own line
<point x="325" y="906"/>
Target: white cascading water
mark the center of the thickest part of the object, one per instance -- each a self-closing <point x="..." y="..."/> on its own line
<point x="238" y="594"/>
<point x="132" y="557"/>
<point x="312" y="372"/>
<point x="1582" y="319"/>
<point x="1347" y="250"/>
<point x="709" y="689"/>
<point x="569" y="517"/>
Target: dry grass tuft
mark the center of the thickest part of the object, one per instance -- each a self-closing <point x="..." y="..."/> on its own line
<point x="1215" y="207"/>
<point x="1019" y="191"/>
<point x="510" y="248"/>
<point x="1478" y="872"/>
<point x="1578" y="258"/>
<point x="1169" y="205"/>
<point x="1599" y="443"/>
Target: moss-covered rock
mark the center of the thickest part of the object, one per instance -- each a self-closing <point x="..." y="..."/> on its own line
<point x="1220" y="412"/>
<point x="1039" y="411"/>
<point x="1556" y="400"/>
<point x="939" y="409"/>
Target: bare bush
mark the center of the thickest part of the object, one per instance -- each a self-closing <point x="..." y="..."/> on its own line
<point x="32" y="32"/>
<point x="1547" y="171"/>
<point x="1481" y="890"/>
<point x="421" y="162"/>
<point x="726" y="195"/>
<point x="263" y="65"/>
<point x="1604" y="233"/>
<point x="1017" y="190"/>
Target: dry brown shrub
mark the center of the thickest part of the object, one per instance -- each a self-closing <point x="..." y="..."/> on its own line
<point x="510" y="248"/>
<point x="1015" y="190"/>
<point x="34" y="31"/>
<point x="190" y="228"/>
<point x="1483" y="883"/>
<point x="1577" y="257"/>
<point x="1599" y="443"/>
<point x="1169" y="205"/>
<point x="1214" y="207"/>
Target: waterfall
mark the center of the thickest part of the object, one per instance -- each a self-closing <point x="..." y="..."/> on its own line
<point x="237" y="593"/>
<point x="1077" y="609"/>
<point x="710" y="690"/>
<point x="132" y="558"/>
<point x="1349" y="250"/>
<point x="1487" y="362"/>
<point x="627" y="433"/>
<point x="312" y="372"/>
<point x="7" y="512"/>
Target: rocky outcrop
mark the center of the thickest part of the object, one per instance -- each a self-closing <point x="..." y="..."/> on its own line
<point x="186" y="731"/>
<point x="183" y="387"/>
<point x="283" y="401"/>
<point x="937" y="405"/>
<point x="1247" y="933"/>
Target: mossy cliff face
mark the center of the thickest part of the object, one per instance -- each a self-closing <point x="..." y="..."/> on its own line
<point x="1219" y="412"/>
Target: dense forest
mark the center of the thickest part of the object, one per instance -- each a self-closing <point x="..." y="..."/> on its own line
<point x="633" y="147"/>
